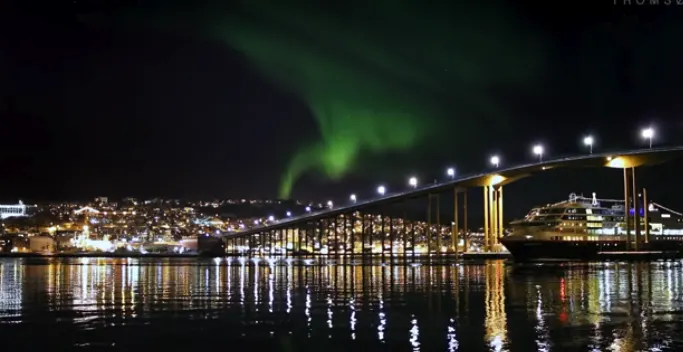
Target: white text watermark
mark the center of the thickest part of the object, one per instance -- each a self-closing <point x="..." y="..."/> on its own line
<point x="648" y="2"/>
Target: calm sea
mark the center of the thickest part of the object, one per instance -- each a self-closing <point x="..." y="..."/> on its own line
<point x="227" y="304"/>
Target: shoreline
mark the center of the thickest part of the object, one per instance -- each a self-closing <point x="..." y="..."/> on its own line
<point x="502" y="255"/>
<point x="463" y="257"/>
<point x="466" y="256"/>
<point x="99" y="255"/>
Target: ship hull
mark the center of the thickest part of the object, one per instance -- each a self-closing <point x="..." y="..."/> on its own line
<point x="541" y="250"/>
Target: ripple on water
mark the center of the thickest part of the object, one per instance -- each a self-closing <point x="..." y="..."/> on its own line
<point x="144" y="303"/>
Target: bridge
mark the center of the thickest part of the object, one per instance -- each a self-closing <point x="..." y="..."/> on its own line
<point x="370" y="227"/>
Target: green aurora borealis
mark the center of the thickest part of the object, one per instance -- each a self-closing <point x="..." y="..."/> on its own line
<point x="377" y="77"/>
<point x="377" y="81"/>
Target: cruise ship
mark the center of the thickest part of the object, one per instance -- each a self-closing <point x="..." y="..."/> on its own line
<point x="584" y="228"/>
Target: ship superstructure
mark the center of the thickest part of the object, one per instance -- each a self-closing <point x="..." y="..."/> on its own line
<point x="583" y="226"/>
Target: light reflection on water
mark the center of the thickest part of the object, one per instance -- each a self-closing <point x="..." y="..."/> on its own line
<point x="145" y="303"/>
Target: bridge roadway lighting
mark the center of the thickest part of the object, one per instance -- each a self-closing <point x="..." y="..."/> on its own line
<point x="495" y="160"/>
<point x="381" y="190"/>
<point x="450" y="172"/>
<point x="538" y="150"/>
<point x="648" y="133"/>
<point x="289" y="213"/>
<point x="588" y="141"/>
<point x="353" y="198"/>
<point x="330" y="204"/>
<point x="271" y="218"/>
<point x="413" y="182"/>
<point x="308" y="209"/>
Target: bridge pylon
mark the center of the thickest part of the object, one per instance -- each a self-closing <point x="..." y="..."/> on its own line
<point x="493" y="215"/>
<point x="455" y="234"/>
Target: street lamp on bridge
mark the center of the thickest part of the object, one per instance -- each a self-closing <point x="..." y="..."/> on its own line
<point x="648" y="133"/>
<point x="538" y="150"/>
<point x="450" y="172"/>
<point x="330" y="204"/>
<point x="413" y="182"/>
<point x="381" y="190"/>
<point x="495" y="161"/>
<point x="289" y="213"/>
<point x="353" y="198"/>
<point x="588" y="141"/>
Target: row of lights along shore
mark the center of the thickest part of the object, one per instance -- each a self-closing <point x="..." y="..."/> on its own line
<point x="646" y="133"/>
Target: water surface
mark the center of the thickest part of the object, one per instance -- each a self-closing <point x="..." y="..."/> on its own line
<point x="176" y="304"/>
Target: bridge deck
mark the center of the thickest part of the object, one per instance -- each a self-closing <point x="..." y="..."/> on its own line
<point x="630" y="158"/>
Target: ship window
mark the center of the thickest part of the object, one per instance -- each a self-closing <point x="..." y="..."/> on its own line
<point x="549" y="211"/>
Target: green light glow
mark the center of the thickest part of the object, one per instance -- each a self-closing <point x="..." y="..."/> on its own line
<point x="375" y="84"/>
<point x="356" y="110"/>
<point x="389" y="77"/>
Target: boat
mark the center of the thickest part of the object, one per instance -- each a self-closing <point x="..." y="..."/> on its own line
<point x="587" y="228"/>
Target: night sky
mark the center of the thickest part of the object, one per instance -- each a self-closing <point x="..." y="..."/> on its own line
<point x="174" y="100"/>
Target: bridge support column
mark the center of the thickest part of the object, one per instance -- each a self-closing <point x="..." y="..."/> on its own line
<point x="335" y="226"/>
<point x="271" y="234"/>
<point x="345" y="233"/>
<point x="392" y="237"/>
<point x="636" y="209"/>
<point x="493" y="216"/>
<point x="501" y="223"/>
<point x="438" y="225"/>
<point x="646" y="219"/>
<point x="455" y="234"/>
<point x="357" y="236"/>
<point x="289" y="241"/>
<point x="302" y="238"/>
<point x="627" y="209"/>
<point x="428" y="233"/>
<point x="465" y="237"/>
<point x="404" y="237"/>
<point x="383" y="234"/>
<point x="486" y="218"/>
<point x="412" y="240"/>
<point x="362" y="234"/>
<point x="309" y="236"/>
<point x="456" y="226"/>
<point x="317" y="246"/>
